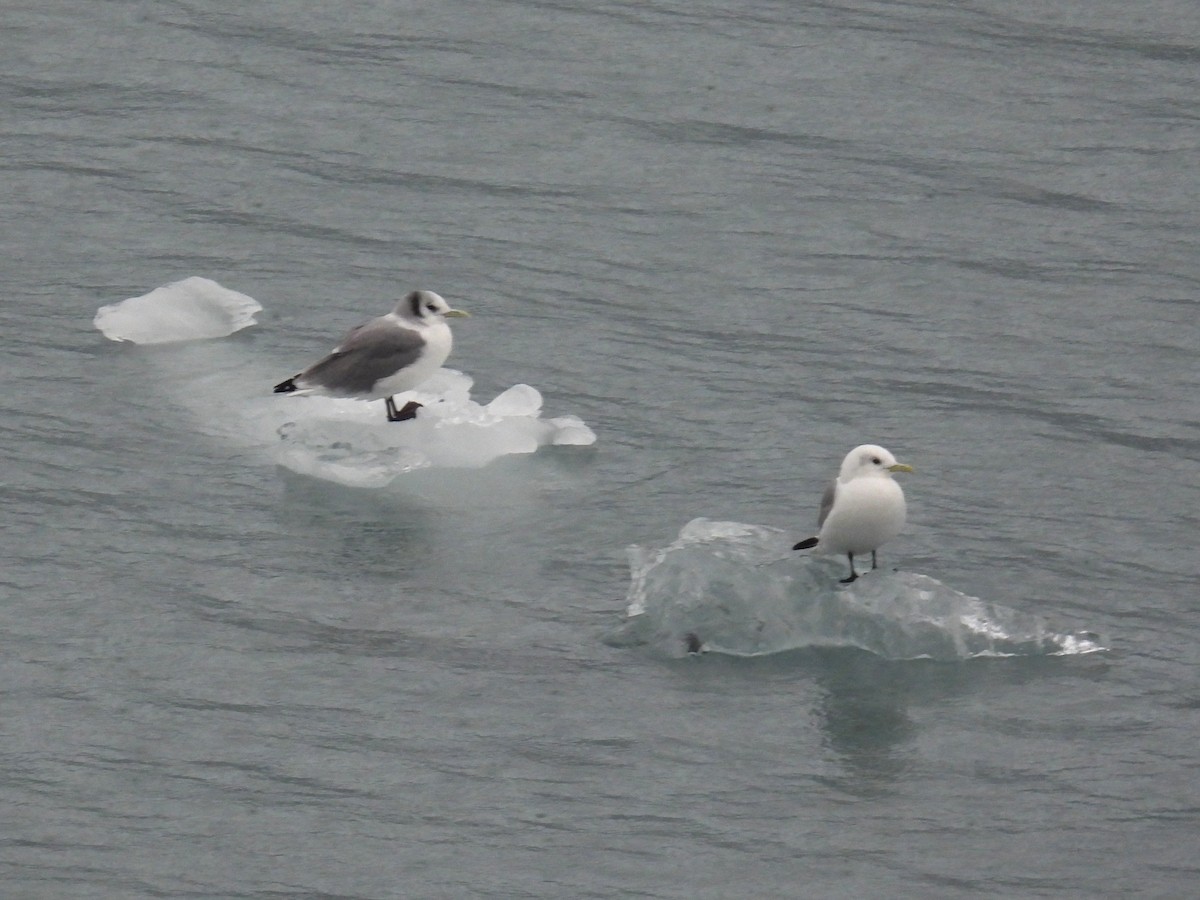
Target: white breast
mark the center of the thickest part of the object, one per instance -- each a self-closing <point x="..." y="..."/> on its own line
<point x="867" y="513"/>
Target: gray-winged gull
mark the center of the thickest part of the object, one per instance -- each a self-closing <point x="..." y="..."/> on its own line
<point x="863" y="508"/>
<point x="385" y="356"/>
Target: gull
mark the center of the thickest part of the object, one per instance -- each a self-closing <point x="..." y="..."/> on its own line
<point x="863" y="508"/>
<point x="385" y="356"/>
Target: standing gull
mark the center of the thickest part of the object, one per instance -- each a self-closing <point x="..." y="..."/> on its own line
<point x="386" y="356"/>
<point x="863" y="508"/>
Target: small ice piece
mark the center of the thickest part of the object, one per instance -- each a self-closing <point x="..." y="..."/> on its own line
<point x="570" y="431"/>
<point x="738" y="589"/>
<point x="518" y="400"/>
<point x="188" y="310"/>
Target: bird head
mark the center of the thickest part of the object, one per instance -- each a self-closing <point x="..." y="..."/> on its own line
<point x="426" y="305"/>
<point x="870" y="460"/>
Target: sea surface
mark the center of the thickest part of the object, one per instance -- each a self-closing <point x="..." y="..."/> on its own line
<point x="736" y="239"/>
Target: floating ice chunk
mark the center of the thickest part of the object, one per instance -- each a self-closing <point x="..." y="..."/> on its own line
<point x="352" y="443"/>
<point x="187" y="310"/>
<point x="518" y="400"/>
<point x="571" y="432"/>
<point x="739" y="589"/>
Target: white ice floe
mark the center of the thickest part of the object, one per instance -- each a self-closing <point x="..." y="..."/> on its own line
<point x="351" y="442"/>
<point x="188" y="310"/>
<point x="739" y="589"/>
<point x="226" y="389"/>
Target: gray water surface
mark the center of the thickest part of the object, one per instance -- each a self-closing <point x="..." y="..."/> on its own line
<point x="737" y="239"/>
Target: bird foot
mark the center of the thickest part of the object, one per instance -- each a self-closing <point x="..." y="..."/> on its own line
<point x="406" y="412"/>
<point x="853" y="577"/>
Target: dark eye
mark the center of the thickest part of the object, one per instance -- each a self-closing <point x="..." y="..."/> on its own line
<point x="876" y="460"/>
<point x="431" y="307"/>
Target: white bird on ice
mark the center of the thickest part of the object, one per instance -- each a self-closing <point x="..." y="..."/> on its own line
<point x="387" y="355"/>
<point x="863" y="508"/>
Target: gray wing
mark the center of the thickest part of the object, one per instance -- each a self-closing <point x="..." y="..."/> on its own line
<point x="826" y="502"/>
<point x="368" y="353"/>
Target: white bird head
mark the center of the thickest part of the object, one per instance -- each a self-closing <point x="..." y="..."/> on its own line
<point x="426" y="306"/>
<point x="870" y="460"/>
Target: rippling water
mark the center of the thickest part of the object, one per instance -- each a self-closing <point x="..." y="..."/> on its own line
<point x="736" y="239"/>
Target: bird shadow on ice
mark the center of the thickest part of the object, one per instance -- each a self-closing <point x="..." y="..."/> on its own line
<point x="225" y="388"/>
<point x="739" y="590"/>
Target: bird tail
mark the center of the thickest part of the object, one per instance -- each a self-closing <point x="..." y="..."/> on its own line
<point x="803" y="545"/>
<point x="286" y="387"/>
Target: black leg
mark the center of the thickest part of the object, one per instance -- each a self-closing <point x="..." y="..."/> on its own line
<point x="408" y="411"/>
<point x="873" y="559"/>
<point x="853" y="574"/>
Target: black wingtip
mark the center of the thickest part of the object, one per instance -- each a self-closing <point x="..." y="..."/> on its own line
<point x="286" y="387"/>
<point x="806" y="544"/>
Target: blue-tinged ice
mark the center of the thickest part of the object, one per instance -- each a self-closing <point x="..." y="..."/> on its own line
<point x="739" y="589"/>
<point x="188" y="310"/>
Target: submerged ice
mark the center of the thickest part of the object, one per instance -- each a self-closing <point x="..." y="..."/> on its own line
<point x="227" y="389"/>
<point x="739" y="589"/>
<point x="188" y="310"/>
